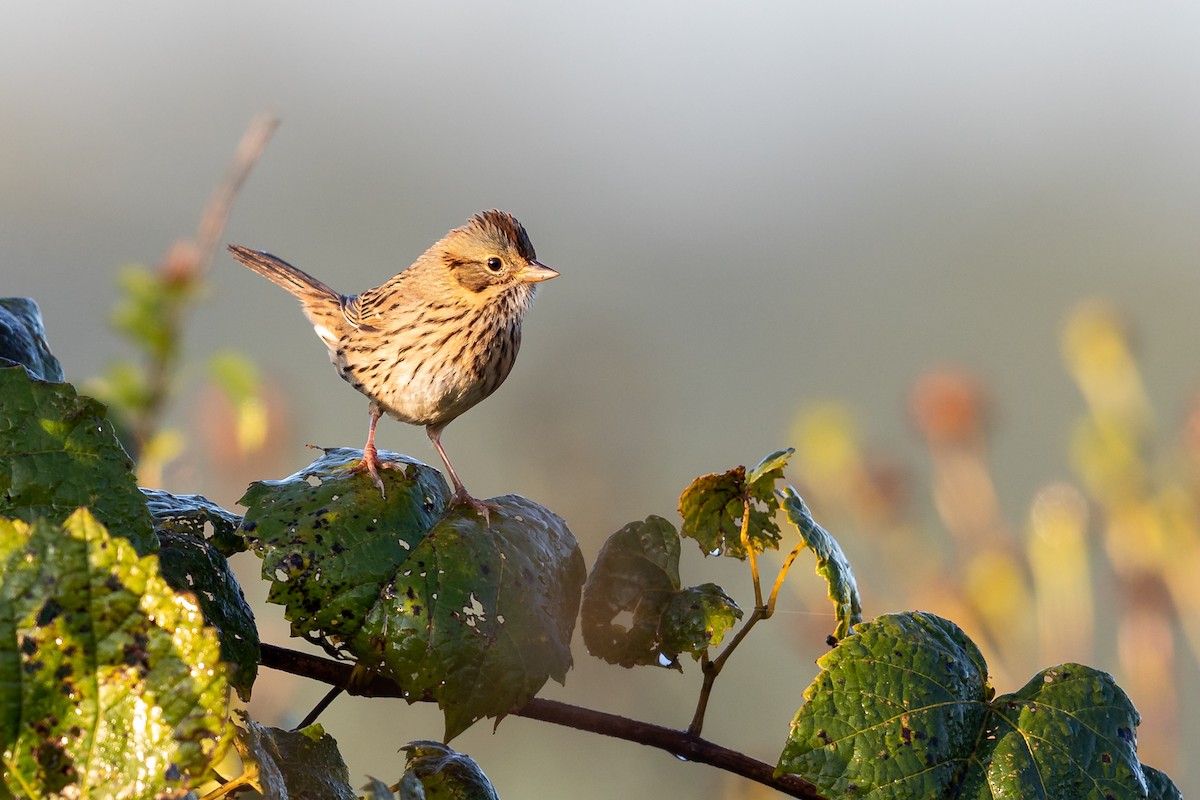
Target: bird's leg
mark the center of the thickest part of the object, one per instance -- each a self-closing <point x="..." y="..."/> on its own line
<point x="370" y="460"/>
<point x="461" y="495"/>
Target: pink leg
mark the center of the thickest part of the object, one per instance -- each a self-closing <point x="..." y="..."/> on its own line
<point x="461" y="495"/>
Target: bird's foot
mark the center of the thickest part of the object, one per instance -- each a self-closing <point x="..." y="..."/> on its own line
<point x="461" y="497"/>
<point x="371" y="465"/>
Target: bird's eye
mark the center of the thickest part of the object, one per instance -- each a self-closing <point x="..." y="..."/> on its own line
<point x="494" y="264"/>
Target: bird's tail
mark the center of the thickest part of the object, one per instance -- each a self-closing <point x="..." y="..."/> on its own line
<point x="304" y="286"/>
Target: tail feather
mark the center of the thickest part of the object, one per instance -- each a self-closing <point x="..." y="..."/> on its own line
<point x="300" y="283"/>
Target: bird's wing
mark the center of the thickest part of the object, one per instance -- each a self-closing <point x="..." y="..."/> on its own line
<point x="356" y="309"/>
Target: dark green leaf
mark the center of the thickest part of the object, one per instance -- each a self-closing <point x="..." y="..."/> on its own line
<point x="193" y="514"/>
<point x="23" y="339"/>
<point x="330" y="542"/>
<point x="58" y="452"/>
<point x="902" y="708"/>
<point x="635" y="575"/>
<point x="832" y="563"/>
<point x="435" y="772"/>
<point x="713" y="508"/>
<point x="897" y="709"/>
<point x="1160" y="786"/>
<point x="292" y="764"/>
<point x="474" y="616"/>
<point x="1069" y="732"/>
<point x="697" y="619"/>
<point x="190" y="564"/>
<point x="100" y="659"/>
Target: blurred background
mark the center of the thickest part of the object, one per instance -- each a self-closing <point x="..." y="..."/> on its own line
<point x="948" y="252"/>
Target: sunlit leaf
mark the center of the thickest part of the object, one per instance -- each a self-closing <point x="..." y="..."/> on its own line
<point x="190" y="564"/>
<point x="110" y="683"/>
<point x="713" y="507"/>
<point x="832" y="563"/>
<point x="896" y="709"/>
<point x="902" y="708"/>
<point x="1069" y="732"/>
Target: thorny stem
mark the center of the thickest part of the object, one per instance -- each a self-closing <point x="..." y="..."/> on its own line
<point x="679" y="743"/>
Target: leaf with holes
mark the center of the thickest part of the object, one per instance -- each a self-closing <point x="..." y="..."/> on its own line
<point x="475" y="615"/>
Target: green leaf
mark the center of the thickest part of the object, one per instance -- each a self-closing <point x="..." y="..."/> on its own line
<point x="435" y="772"/>
<point x="195" y="514"/>
<point x="376" y="789"/>
<point x="1160" y="786"/>
<point x="297" y="764"/>
<point x="329" y="540"/>
<point x="1069" y="732"/>
<point x="634" y="612"/>
<point x="475" y="616"/>
<point x="23" y="339"/>
<point x="902" y="708"/>
<point x="636" y="574"/>
<point x="832" y="563"/>
<point x="190" y="564"/>
<point x="896" y="709"/>
<point x="697" y="619"/>
<point x="713" y="506"/>
<point x="110" y="684"/>
<point x="58" y="452"/>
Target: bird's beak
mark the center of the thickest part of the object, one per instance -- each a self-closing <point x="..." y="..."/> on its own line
<point x="535" y="272"/>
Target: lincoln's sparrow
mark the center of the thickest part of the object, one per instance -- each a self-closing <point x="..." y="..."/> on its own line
<point x="434" y="340"/>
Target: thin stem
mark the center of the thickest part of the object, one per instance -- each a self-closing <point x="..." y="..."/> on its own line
<point x="224" y="790"/>
<point x="713" y="668"/>
<point x="750" y="554"/>
<point x="783" y="571"/>
<point x="678" y="743"/>
<point x="321" y="705"/>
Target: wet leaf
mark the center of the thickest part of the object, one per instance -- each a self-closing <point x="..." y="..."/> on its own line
<point x="435" y="772"/>
<point x="110" y="683"/>
<point x="475" y="616"/>
<point x="58" y="452"/>
<point x="832" y="563"/>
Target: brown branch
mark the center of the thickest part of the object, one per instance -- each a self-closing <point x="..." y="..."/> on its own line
<point x="678" y="743"/>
